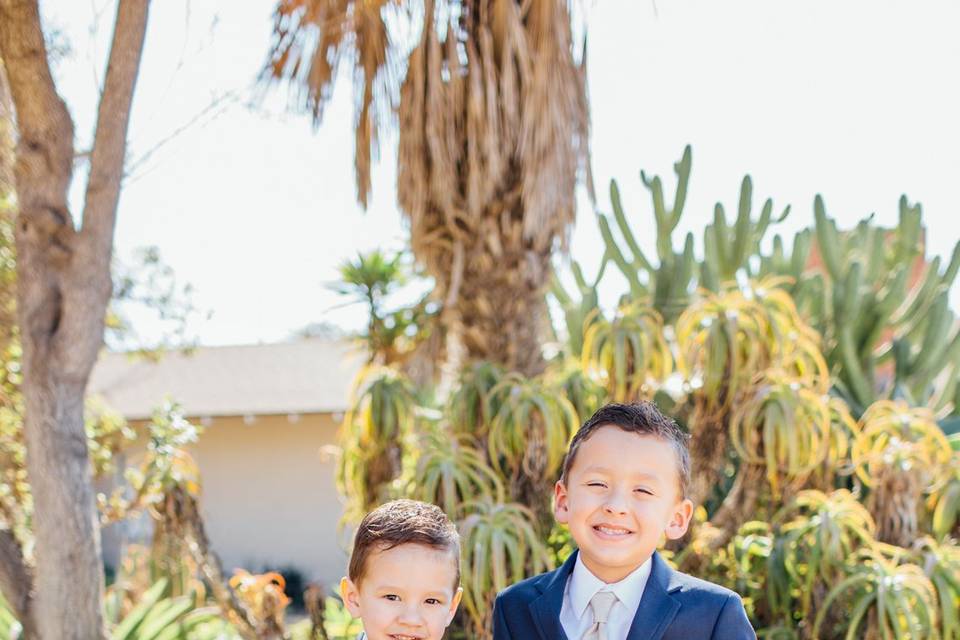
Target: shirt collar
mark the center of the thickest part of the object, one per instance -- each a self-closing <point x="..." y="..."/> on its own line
<point x="583" y="586"/>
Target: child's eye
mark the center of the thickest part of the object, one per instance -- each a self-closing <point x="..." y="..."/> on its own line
<point x="596" y="484"/>
<point x="645" y="491"/>
<point x="433" y="601"/>
<point x="392" y="597"/>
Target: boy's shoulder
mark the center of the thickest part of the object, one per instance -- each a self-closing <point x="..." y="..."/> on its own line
<point x="684" y="584"/>
<point x="529" y="587"/>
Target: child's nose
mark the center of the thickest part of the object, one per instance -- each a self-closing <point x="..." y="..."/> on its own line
<point x="616" y="502"/>
<point x="410" y="616"/>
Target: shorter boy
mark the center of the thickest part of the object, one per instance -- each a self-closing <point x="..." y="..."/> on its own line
<point x="623" y="487"/>
<point x="404" y="574"/>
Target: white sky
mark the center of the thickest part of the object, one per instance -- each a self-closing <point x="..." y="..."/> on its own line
<point x="858" y="101"/>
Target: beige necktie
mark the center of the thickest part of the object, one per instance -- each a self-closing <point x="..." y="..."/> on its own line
<point x="600" y="603"/>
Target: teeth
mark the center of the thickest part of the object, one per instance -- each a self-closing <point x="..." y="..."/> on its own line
<point x="612" y="532"/>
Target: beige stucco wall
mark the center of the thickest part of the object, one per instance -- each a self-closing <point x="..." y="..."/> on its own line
<point x="268" y="498"/>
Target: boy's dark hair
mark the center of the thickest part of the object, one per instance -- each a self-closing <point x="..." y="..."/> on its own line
<point x="642" y="418"/>
<point x="403" y="522"/>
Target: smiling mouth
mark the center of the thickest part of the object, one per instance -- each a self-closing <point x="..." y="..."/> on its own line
<point x="608" y="531"/>
<point x="405" y="636"/>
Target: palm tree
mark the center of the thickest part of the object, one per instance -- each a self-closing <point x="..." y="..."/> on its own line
<point x="489" y="98"/>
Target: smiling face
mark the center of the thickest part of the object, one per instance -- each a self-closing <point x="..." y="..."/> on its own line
<point x="621" y="495"/>
<point x="406" y="593"/>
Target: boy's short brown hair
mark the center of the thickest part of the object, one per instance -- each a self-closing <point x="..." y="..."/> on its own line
<point x="642" y="418"/>
<point x="403" y="522"/>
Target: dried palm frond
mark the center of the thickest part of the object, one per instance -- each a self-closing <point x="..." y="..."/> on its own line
<point x="491" y="109"/>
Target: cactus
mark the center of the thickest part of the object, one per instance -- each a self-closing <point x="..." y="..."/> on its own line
<point x="576" y="313"/>
<point x="888" y="333"/>
<point x="667" y="286"/>
<point x="882" y="309"/>
<point x="729" y="247"/>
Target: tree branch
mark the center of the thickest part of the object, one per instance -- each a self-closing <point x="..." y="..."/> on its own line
<point x="90" y="273"/>
<point x="113" y="119"/>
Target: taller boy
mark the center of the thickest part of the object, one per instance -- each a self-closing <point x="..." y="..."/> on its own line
<point x="623" y="486"/>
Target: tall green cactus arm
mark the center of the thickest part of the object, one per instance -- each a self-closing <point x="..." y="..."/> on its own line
<point x="668" y="220"/>
<point x="735" y="244"/>
<point x="872" y="239"/>
<point x="720" y="243"/>
<point x="613" y="251"/>
<point x="801" y="253"/>
<point x="682" y="169"/>
<point x="951" y="273"/>
<point x="913" y="312"/>
<point x="580" y="311"/>
<point x="558" y="292"/>
<point x="741" y="234"/>
<point x="639" y="259"/>
<point x="827" y="238"/>
<point x="909" y="231"/>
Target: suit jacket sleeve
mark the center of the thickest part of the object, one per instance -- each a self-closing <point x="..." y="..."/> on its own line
<point x="500" y="630"/>
<point x="732" y="623"/>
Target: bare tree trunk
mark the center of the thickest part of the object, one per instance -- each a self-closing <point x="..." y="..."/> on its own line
<point x="63" y="289"/>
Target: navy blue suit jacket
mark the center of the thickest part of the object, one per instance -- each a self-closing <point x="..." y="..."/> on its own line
<point x="674" y="606"/>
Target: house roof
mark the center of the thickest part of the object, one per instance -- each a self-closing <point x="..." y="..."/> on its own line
<point x="311" y="375"/>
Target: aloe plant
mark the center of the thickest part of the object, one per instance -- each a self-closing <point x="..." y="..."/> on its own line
<point x="899" y="453"/>
<point x="817" y="534"/>
<point x="451" y="471"/>
<point x="499" y="544"/>
<point x="372" y="434"/>
<point x="629" y="353"/>
<point x="883" y="598"/>
<point x="530" y="429"/>
<point x="784" y="427"/>
<point x="941" y="562"/>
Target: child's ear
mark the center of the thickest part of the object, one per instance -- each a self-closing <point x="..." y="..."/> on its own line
<point x="561" y="507"/>
<point x="454" y="604"/>
<point x="680" y="520"/>
<point x="350" y="595"/>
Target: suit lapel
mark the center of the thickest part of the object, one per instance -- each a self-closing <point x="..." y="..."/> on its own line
<point x="657" y="607"/>
<point x="546" y="608"/>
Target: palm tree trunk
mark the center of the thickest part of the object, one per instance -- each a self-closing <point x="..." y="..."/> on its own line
<point x="500" y="312"/>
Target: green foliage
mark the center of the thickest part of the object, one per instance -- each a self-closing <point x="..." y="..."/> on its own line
<point x="9" y="625"/>
<point x="156" y="616"/>
<point x="530" y="427"/>
<point x="469" y="408"/>
<point x="577" y="313"/>
<point x="381" y="418"/>
<point x="946" y="503"/>
<point x="450" y="472"/>
<point x="941" y="562"/>
<point x="812" y="377"/>
<point x="390" y="334"/>
<point x="499" y="545"/>
<point x="784" y="427"/>
<point x="728" y="247"/>
<point x="669" y="284"/>
<point x="900" y="597"/>
<point x="726" y="339"/>
<point x="629" y="353"/>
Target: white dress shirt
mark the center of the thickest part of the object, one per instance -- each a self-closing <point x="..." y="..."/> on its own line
<point x="576" y="616"/>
